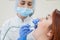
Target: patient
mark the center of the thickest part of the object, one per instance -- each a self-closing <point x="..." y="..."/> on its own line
<point x="56" y="25"/>
<point x="48" y="29"/>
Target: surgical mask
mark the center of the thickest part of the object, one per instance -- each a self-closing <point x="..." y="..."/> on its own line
<point x="24" y="11"/>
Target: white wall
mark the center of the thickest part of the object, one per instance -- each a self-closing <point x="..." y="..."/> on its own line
<point x="6" y="10"/>
<point x="43" y="8"/>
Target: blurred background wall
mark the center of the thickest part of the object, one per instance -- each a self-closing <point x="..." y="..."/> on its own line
<point x="42" y="8"/>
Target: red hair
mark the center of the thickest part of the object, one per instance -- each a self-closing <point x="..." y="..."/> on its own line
<point x="56" y="25"/>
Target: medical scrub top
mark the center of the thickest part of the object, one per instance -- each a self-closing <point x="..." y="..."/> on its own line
<point x="10" y="28"/>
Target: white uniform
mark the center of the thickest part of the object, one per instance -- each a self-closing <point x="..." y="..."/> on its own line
<point x="10" y="29"/>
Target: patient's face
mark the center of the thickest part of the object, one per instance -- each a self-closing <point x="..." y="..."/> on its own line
<point x="50" y="33"/>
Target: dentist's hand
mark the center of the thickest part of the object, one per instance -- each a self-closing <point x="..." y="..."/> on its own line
<point x="24" y="31"/>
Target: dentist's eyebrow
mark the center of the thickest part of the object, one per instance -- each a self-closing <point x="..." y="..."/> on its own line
<point x="22" y="2"/>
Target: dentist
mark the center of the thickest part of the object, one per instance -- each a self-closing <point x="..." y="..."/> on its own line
<point x="10" y="28"/>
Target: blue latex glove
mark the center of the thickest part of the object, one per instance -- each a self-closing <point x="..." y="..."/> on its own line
<point x="35" y="21"/>
<point x="24" y="31"/>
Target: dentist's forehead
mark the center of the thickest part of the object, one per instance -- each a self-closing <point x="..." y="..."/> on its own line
<point x="33" y="1"/>
<point x="26" y="0"/>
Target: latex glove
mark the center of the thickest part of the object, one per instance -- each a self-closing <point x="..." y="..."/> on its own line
<point x="35" y="21"/>
<point x="24" y="31"/>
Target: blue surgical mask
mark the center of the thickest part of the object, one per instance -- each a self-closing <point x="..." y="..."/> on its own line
<point x="24" y="11"/>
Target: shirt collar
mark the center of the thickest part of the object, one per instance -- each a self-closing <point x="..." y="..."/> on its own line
<point x="25" y="20"/>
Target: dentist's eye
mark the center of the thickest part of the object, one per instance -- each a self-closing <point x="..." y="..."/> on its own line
<point x="22" y="3"/>
<point x="29" y="3"/>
